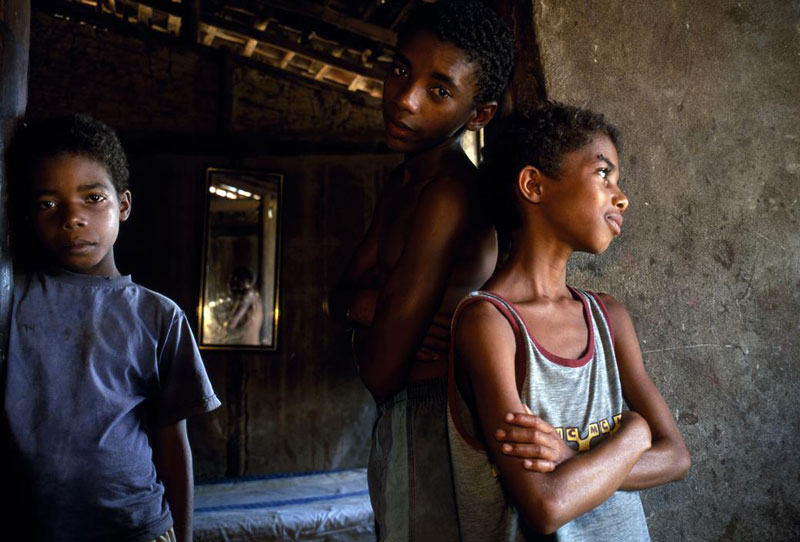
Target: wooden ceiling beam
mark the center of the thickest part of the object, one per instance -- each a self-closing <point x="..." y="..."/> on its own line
<point x="355" y="84"/>
<point x="249" y="48"/>
<point x="286" y="59"/>
<point x="290" y="46"/>
<point x="402" y="14"/>
<point x="323" y="71"/>
<point x="209" y="36"/>
<point x="167" y="6"/>
<point x="251" y="43"/>
<point x="144" y="14"/>
<point x="316" y="13"/>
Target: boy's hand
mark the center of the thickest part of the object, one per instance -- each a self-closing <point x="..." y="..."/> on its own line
<point x="436" y="343"/>
<point x="534" y="440"/>
<point x="362" y="310"/>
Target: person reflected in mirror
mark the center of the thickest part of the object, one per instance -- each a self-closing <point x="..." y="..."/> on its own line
<point x="247" y="313"/>
<point x="429" y="243"/>
<point x="238" y="316"/>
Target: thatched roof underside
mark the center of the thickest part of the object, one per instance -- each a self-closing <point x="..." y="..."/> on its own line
<point x="345" y="44"/>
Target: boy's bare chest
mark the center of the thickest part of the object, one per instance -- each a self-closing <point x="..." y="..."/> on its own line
<point x="563" y="330"/>
<point x="397" y="224"/>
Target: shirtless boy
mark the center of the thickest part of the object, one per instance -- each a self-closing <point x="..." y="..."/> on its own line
<point x="428" y="245"/>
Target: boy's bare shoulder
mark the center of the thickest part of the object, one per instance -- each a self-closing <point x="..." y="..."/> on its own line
<point x="454" y="188"/>
<point x="615" y="309"/>
<point x="480" y="322"/>
<point x="444" y="198"/>
<point x="619" y="318"/>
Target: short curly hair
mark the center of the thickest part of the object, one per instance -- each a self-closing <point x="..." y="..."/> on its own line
<point x="78" y="134"/>
<point x="540" y="137"/>
<point x="478" y="31"/>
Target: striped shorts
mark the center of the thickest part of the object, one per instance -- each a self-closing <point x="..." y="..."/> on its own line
<point x="409" y="474"/>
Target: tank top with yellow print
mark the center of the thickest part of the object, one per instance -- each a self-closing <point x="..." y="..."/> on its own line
<point x="581" y="398"/>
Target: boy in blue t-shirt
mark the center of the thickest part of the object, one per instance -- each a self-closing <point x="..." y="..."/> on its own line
<point x="101" y="372"/>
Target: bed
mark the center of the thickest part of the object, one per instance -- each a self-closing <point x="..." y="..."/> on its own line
<point x="311" y="506"/>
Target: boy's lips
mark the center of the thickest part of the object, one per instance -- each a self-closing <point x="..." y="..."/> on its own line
<point x="616" y="222"/>
<point x="398" y="128"/>
<point x="79" y="246"/>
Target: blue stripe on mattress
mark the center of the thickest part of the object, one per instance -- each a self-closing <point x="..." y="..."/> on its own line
<point x="311" y="506"/>
<point x="275" y="504"/>
<point x="276" y="476"/>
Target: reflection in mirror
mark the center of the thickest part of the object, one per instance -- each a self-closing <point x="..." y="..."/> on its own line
<point x="239" y="303"/>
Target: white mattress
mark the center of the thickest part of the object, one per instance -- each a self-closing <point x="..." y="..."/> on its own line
<point x="318" y="506"/>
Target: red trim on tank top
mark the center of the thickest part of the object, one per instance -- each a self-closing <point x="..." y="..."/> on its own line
<point x="588" y="353"/>
<point x="604" y="310"/>
<point x="455" y="414"/>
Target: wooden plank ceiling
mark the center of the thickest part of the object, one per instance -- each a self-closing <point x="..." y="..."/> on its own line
<point x="345" y="44"/>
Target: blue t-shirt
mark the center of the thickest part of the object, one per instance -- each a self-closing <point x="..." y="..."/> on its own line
<point x="95" y="365"/>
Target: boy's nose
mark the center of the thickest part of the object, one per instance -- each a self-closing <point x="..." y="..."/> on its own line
<point x="621" y="201"/>
<point x="408" y="99"/>
<point x="73" y="219"/>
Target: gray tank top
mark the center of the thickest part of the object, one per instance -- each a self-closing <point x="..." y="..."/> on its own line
<point x="582" y="398"/>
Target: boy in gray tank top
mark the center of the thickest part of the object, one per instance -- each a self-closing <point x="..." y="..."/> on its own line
<point x="599" y="429"/>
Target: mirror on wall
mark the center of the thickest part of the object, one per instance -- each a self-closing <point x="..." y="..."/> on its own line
<point x="239" y="296"/>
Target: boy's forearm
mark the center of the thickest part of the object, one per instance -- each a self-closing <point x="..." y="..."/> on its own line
<point x="666" y="461"/>
<point x="338" y="302"/>
<point x="173" y="460"/>
<point x="179" y="493"/>
<point x="415" y="286"/>
<point x="587" y="480"/>
<point x="390" y="343"/>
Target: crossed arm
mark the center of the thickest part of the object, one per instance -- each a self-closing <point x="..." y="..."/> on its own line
<point x="340" y="302"/>
<point x="412" y="292"/>
<point x="557" y="485"/>
<point x="173" y="460"/>
<point x="667" y="460"/>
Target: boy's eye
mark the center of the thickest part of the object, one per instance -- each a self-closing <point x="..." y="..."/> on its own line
<point x="605" y="174"/>
<point x="96" y="198"/>
<point x="399" y="70"/>
<point x="442" y="92"/>
<point x="45" y="204"/>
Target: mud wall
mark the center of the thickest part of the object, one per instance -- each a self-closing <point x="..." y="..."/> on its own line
<point x="706" y="97"/>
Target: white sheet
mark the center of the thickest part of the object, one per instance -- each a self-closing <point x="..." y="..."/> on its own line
<point x="314" y="507"/>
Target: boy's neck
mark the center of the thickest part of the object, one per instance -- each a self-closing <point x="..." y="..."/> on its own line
<point x="426" y="164"/>
<point x="106" y="269"/>
<point x="534" y="269"/>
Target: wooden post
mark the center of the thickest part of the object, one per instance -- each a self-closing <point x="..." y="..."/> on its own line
<point x="15" y="18"/>
<point x="190" y="21"/>
<point x="528" y="84"/>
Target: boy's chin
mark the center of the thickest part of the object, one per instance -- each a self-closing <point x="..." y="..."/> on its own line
<point x="81" y="267"/>
<point x="396" y="144"/>
<point x="404" y="145"/>
<point x="595" y="250"/>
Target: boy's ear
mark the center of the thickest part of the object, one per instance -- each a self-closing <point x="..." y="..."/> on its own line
<point x="481" y="116"/>
<point x="124" y="205"/>
<point x="531" y="184"/>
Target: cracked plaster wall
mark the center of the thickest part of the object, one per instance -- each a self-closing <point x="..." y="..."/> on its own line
<point x="706" y="96"/>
